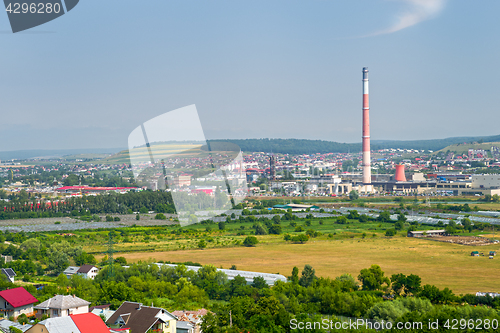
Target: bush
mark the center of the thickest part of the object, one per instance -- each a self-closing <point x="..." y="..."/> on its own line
<point x="302" y="238"/>
<point x="260" y="230"/>
<point x="202" y="244"/>
<point x="275" y="230"/>
<point x="116" y="219"/>
<point x="222" y="226"/>
<point x="299" y="228"/>
<point x="160" y="216"/>
<point x="390" y="232"/>
<point x="250" y="241"/>
<point x="109" y="218"/>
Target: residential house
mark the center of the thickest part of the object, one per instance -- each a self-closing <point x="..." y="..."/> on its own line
<point x="9" y="273"/>
<point x="102" y="311"/>
<point x="185" y="327"/>
<point x="16" y="301"/>
<point x="6" y="324"/>
<point x="88" y="271"/>
<point x="62" y="306"/>
<point x="70" y="271"/>
<point x="80" y="323"/>
<point x="189" y="321"/>
<point x="140" y="319"/>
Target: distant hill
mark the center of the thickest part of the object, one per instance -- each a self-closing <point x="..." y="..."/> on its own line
<point x="462" y="148"/>
<point x="302" y="146"/>
<point x="281" y="146"/>
<point x="52" y="153"/>
<point x="434" y="145"/>
<point x="295" y="146"/>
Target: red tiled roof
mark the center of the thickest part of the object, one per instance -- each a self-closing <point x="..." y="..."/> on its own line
<point x="89" y="323"/>
<point x="18" y="297"/>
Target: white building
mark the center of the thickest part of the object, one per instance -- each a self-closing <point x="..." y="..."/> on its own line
<point x="63" y="306"/>
<point x="88" y="271"/>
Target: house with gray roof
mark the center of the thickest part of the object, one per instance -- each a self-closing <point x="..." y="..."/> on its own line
<point x="6" y="324"/>
<point x="70" y="271"/>
<point x="62" y="306"/>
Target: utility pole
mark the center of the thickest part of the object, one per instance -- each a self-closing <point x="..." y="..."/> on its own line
<point x="230" y="319"/>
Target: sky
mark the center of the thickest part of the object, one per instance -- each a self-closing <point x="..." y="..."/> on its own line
<point x="254" y="69"/>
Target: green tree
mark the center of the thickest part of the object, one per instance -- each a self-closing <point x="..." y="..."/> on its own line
<point x="250" y="241"/>
<point x="260" y="229"/>
<point x="275" y="230"/>
<point x="342" y="220"/>
<point x="308" y="276"/>
<point x="391" y="232"/>
<point x="295" y="275"/>
<point x="302" y="238"/>
<point x="31" y="244"/>
<point x="384" y="216"/>
<point x="401" y="217"/>
<point x="259" y="283"/>
<point x="373" y="278"/>
<point x="71" y="180"/>
<point x="399" y="225"/>
<point x="202" y="244"/>
<point x="353" y="195"/>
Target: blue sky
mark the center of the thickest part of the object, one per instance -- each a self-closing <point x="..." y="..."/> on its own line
<point x="254" y="69"/>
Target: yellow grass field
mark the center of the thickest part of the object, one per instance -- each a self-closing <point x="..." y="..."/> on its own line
<point x="441" y="264"/>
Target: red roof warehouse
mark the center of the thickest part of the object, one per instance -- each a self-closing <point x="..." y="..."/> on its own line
<point x="14" y="302"/>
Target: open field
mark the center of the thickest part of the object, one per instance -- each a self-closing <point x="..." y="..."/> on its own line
<point x="441" y="264"/>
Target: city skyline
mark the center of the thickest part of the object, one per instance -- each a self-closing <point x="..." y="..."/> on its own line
<point x="259" y="70"/>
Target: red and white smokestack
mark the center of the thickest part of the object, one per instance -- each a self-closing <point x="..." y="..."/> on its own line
<point x="367" y="174"/>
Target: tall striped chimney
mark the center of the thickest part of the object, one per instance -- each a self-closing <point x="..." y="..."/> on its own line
<point x="367" y="175"/>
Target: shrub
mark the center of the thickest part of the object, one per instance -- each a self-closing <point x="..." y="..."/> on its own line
<point x="302" y="238"/>
<point x="275" y="230"/>
<point x="250" y="241"/>
<point x="299" y="228"/>
<point x="160" y="216"/>
<point x="202" y="244"/>
<point x="260" y="230"/>
<point x="390" y="232"/>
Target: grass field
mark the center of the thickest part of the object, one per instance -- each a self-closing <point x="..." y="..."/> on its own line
<point x="441" y="264"/>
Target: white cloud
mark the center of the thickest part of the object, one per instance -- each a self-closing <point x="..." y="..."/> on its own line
<point x="417" y="11"/>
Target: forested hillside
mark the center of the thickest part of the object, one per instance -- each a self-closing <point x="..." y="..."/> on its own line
<point x="303" y="146"/>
